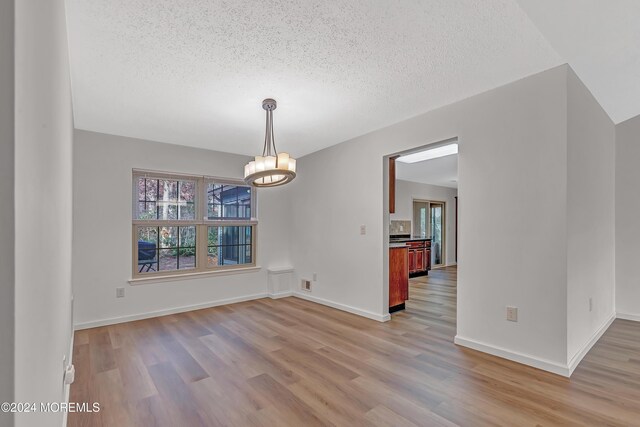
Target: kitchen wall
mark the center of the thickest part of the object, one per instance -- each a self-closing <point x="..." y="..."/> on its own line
<point x="627" y="210"/>
<point x="590" y="219"/>
<point x="43" y="146"/>
<point x="513" y="156"/>
<point x="102" y="230"/>
<point x="7" y="274"/>
<point x="406" y="191"/>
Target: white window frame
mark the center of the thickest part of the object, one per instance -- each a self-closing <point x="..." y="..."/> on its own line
<point x="201" y="222"/>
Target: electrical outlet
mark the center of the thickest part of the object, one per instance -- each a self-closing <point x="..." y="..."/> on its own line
<point x="315" y="277"/>
<point x="119" y="292"/>
<point x="512" y="314"/>
<point x="590" y="304"/>
<point x="363" y="229"/>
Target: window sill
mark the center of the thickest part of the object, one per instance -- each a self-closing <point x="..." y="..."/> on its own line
<point x="188" y="276"/>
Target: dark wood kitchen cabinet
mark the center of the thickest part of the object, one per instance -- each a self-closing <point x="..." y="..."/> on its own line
<point x="392" y="184"/>
<point x="398" y="277"/>
<point x="419" y="257"/>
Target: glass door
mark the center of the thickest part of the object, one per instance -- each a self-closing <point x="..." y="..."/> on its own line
<point x="429" y="222"/>
<point x="437" y="233"/>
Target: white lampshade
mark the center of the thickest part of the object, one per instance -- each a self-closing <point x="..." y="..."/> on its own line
<point x="269" y="162"/>
<point x="260" y="163"/>
<point x="283" y="160"/>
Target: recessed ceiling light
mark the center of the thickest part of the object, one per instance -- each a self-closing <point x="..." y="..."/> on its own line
<point x="431" y="153"/>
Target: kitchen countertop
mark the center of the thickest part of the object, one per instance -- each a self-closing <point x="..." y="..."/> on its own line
<point x="408" y="239"/>
<point x="397" y="245"/>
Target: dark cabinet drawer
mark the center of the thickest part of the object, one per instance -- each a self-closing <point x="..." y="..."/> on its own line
<point x="419" y="244"/>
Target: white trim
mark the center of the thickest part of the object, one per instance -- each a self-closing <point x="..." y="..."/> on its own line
<point x="278" y="295"/>
<point x="132" y="317"/>
<point x="545" y="365"/>
<point x="67" y="387"/>
<point x="440" y="266"/>
<point x="577" y="358"/>
<point x="187" y="276"/>
<point x="280" y="270"/>
<point x="343" y="307"/>
<point x="628" y="316"/>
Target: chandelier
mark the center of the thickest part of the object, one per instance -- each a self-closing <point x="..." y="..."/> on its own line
<point x="272" y="168"/>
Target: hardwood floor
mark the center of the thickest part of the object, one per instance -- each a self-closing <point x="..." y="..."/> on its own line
<point x="290" y="362"/>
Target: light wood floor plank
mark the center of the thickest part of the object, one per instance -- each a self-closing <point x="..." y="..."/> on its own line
<point x="290" y="362"/>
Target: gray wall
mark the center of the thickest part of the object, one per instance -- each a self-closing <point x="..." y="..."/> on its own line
<point x="513" y="155"/>
<point x="43" y="135"/>
<point x="407" y="191"/>
<point x="628" y="218"/>
<point x="6" y="207"/>
<point x="590" y="216"/>
<point x="102" y="210"/>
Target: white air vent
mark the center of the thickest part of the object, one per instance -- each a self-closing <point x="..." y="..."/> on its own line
<point x="305" y="285"/>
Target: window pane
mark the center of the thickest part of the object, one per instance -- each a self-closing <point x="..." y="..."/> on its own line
<point x="244" y="202"/>
<point x="168" y="260"/>
<point x="146" y="210"/>
<point x="228" y="201"/>
<point x="212" y="256"/>
<point x="187" y="211"/>
<point x="213" y="211"/>
<point x="166" y="248"/>
<point x="151" y="186"/>
<point x="229" y="245"/>
<point x="147" y="249"/>
<point x="186" y="200"/>
<point x="166" y="199"/>
<point x="187" y="250"/>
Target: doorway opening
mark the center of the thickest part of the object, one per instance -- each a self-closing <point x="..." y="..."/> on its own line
<point x="422" y="230"/>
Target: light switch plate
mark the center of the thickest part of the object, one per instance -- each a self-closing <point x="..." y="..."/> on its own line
<point x="512" y="314"/>
<point x="119" y="292"/>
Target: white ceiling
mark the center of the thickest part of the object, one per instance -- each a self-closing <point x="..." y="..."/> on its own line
<point x="600" y="39"/>
<point x="194" y="72"/>
<point x="442" y="171"/>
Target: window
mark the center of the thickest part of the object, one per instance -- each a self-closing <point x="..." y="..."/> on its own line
<point x="187" y="224"/>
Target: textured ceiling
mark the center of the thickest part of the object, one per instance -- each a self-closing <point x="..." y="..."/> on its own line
<point x="194" y="72"/>
<point x="442" y="171"/>
<point x="601" y="41"/>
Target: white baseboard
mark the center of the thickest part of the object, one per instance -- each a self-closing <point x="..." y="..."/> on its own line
<point x="577" y="358"/>
<point x="545" y="365"/>
<point x="628" y="316"/>
<point x="147" y="315"/>
<point x="150" y="314"/>
<point x="278" y="295"/>
<point x="343" y="307"/>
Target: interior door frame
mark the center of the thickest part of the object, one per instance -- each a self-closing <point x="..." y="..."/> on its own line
<point x="444" y="226"/>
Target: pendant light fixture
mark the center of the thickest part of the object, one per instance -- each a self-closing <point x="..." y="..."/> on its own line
<point x="272" y="168"/>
